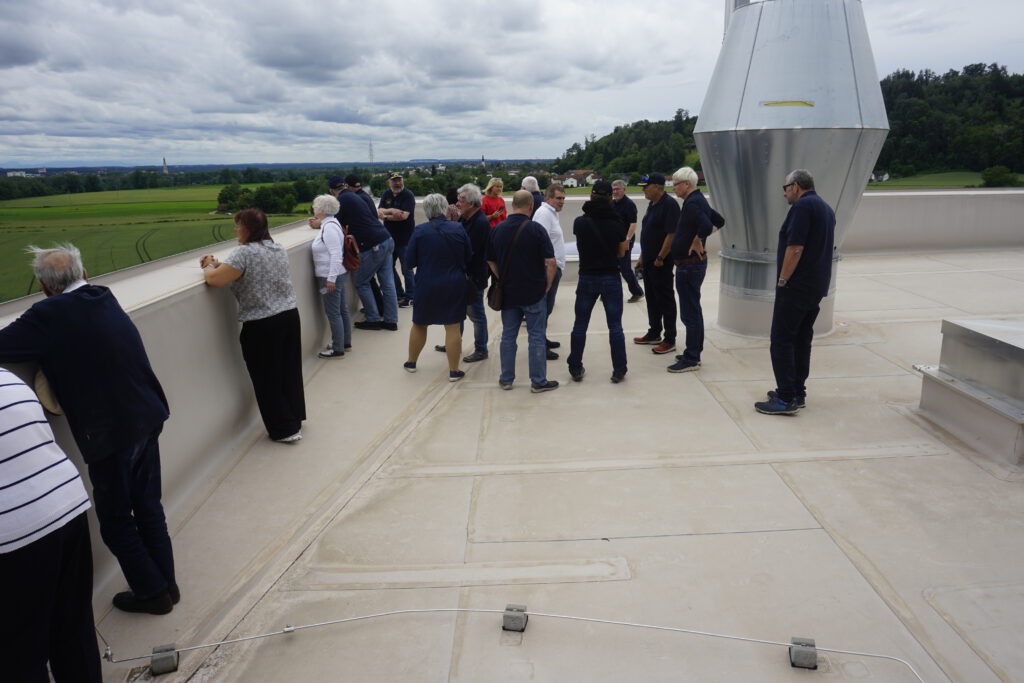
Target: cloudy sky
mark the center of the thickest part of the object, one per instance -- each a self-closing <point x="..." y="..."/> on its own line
<point x="225" y="81"/>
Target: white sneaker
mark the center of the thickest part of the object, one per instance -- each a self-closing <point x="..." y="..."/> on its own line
<point x="294" y="438"/>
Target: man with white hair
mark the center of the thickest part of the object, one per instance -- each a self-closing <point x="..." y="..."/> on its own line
<point x="93" y="356"/>
<point x="626" y="208"/>
<point x="479" y="230"/>
<point x="696" y="223"/>
<point x="530" y="185"/>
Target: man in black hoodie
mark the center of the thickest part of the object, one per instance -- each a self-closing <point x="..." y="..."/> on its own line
<point x="601" y="241"/>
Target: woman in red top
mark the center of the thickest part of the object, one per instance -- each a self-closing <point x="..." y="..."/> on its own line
<point x="493" y="206"/>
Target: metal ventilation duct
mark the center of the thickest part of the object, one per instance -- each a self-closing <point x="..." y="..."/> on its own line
<point x="795" y="86"/>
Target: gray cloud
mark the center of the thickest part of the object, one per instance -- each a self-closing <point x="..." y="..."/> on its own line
<point x="256" y="80"/>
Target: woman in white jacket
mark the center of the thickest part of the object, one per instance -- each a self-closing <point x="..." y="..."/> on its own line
<point x="331" y="274"/>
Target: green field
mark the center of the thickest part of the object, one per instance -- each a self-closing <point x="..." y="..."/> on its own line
<point x="931" y="181"/>
<point x="113" y="230"/>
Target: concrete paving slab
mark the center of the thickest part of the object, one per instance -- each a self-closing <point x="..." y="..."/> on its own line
<point x="961" y="289"/>
<point x="768" y="586"/>
<point x="625" y="504"/>
<point x="841" y="412"/>
<point x="935" y="537"/>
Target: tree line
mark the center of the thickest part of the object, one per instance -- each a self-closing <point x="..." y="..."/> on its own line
<point x="962" y="120"/>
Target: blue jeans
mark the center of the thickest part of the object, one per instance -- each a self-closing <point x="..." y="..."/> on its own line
<point x="689" y="278"/>
<point x="377" y="261"/>
<point x="792" y="332"/>
<point x="626" y="270"/>
<point x="126" y="492"/>
<point x="336" y="310"/>
<point x="408" y="275"/>
<point x="475" y="312"/>
<point x="536" y="315"/>
<point x="589" y="289"/>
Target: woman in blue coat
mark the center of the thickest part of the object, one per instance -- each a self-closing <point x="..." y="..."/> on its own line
<point x="439" y="250"/>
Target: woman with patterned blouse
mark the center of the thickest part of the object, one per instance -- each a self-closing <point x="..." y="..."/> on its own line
<point x="257" y="272"/>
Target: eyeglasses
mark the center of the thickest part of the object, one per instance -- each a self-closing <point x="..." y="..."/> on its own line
<point x="787" y="186"/>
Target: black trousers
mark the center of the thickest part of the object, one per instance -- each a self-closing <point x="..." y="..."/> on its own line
<point x="47" y="609"/>
<point x="792" y="332"/>
<point x="661" y="300"/>
<point x="272" y="348"/>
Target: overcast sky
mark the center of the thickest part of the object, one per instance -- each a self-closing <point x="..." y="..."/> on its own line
<point x="226" y="81"/>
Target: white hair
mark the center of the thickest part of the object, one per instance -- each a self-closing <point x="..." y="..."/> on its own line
<point x="57" y="268"/>
<point x="326" y="205"/>
<point x="435" y="204"/>
<point x="530" y="184"/>
<point x="685" y="175"/>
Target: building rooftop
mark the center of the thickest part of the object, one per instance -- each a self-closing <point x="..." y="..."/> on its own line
<point x="664" y="501"/>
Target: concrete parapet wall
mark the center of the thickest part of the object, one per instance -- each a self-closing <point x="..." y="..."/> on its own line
<point x="191" y="335"/>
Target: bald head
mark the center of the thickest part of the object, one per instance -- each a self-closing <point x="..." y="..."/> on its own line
<point x="522" y="202"/>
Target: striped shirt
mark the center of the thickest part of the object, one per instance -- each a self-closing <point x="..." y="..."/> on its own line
<point x="40" y="489"/>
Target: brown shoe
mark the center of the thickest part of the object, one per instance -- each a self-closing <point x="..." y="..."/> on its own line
<point x="664" y="347"/>
<point x="647" y="339"/>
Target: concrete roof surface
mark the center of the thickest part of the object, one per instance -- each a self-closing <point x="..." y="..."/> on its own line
<point x="664" y="500"/>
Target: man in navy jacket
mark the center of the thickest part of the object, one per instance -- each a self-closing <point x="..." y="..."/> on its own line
<point x="95" y="362"/>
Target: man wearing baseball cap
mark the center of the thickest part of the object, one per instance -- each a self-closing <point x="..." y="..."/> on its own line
<point x="397" y="209"/>
<point x="658" y="228"/>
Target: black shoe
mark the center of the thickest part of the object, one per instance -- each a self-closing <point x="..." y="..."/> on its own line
<point x="367" y="325"/>
<point x="548" y="385"/>
<point x="475" y="357"/>
<point x="175" y="594"/>
<point x="441" y="348"/>
<point x="801" y="401"/>
<point x="577" y="373"/>
<point x="618" y="376"/>
<point x="393" y="327"/>
<point x="552" y="344"/>
<point x="409" y="366"/>
<point x="456" y="375"/>
<point x="635" y="298"/>
<point x="158" y="604"/>
<point x="331" y="354"/>
<point x="404" y="302"/>
<point x="552" y="355"/>
<point x="683" y="365"/>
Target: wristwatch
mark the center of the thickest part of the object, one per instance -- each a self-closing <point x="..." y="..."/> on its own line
<point x="782" y="282"/>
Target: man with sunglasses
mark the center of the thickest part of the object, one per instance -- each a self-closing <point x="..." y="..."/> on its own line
<point x="804" y="261"/>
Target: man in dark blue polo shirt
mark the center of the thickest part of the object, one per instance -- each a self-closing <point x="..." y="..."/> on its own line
<point x="375" y="249"/>
<point x="659" y="225"/>
<point x="804" y="261"/>
<point x="626" y="209"/>
<point x="397" y="209"/>
<point x="520" y="254"/>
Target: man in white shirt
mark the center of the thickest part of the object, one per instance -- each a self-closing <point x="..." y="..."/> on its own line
<point x="547" y="215"/>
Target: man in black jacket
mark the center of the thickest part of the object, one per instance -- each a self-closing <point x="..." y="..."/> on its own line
<point x="691" y="262"/>
<point x="601" y="241"/>
<point x="93" y="357"/>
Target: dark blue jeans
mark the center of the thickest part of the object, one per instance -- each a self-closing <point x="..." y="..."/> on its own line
<point x="550" y="296"/>
<point x="626" y="270"/>
<point x="689" y="278"/>
<point x="792" y="332"/>
<point x="126" y="492"/>
<point x="589" y="289"/>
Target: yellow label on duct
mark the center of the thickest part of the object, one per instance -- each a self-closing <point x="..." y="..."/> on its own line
<point x="787" y="103"/>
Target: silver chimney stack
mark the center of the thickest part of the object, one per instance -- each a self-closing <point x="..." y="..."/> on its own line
<point x="795" y="86"/>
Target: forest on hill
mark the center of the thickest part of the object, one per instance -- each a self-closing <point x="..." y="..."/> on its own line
<point x="962" y="120"/>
